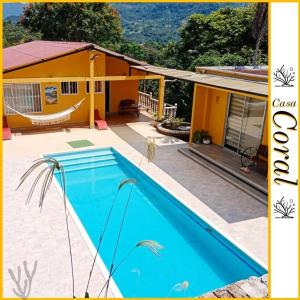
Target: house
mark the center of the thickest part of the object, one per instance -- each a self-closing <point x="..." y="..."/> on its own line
<point x="47" y="77"/>
<point x="229" y="103"/>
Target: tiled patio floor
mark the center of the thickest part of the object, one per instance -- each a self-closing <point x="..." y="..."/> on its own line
<point x="232" y="162"/>
<point x="33" y="235"/>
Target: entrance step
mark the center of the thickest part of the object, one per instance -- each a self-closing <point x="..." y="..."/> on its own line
<point x="234" y="180"/>
<point x="233" y="171"/>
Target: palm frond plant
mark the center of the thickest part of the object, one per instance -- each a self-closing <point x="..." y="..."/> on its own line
<point x="46" y="176"/>
<point x="150" y="155"/>
<point x="122" y="183"/>
<point x="154" y="248"/>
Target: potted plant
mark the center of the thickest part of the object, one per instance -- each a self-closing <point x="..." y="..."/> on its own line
<point x="206" y="138"/>
<point x="197" y="137"/>
<point x="157" y="120"/>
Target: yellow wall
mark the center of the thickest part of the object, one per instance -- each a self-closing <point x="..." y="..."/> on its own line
<point x="264" y="140"/>
<point x="77" y="65"/>
<point x="217" y="110"/>
<point x="120" y="90"/>
<point x="209" y="112"/>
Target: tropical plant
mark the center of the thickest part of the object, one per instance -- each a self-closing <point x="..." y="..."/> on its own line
<point x="154" y="248"/>
<point x="52" y="165"/>
<point x="198" y="136"/>
<point x="150" y="155"/>
<point x="46" y="175"/>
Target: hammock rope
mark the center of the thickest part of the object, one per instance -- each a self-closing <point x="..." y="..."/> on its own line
<point x="50" y="119"/>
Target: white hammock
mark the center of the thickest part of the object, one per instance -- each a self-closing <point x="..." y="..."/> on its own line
<point x="50" y="119"/>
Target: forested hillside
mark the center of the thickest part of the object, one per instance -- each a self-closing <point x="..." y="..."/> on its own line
<point x="142" y="22"/>
<point x="229" y="36"/>
<point x="159" y="22"/>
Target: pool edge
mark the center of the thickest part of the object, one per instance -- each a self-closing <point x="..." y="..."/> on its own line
<point x="114" y="288"/>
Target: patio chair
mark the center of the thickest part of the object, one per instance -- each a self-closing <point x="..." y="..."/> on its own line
<point x="129" y="105"/>
<point x="99" y="123"/>
<point x="252" y="156"/>
<point x="6" y="132"/>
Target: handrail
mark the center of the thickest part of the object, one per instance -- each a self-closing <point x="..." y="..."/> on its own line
<point x="151" y="104"/>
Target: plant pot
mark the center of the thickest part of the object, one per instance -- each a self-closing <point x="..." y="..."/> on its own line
<point x="154" y="123"/>
<point x="206" y="141"/>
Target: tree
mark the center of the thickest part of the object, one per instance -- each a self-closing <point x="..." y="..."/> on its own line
<point x="259" y="28"/>
<point x="89" y="22"/>
<point x="225" y="30"/>
<point x="14" y="34"/>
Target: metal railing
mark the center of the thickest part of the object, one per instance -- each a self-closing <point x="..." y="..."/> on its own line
<point x="151" y="105"/>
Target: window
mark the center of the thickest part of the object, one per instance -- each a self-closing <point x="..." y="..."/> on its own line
<point x="69" y="88"/>
<point x="25" y="98"/>
<point x="245" y="122"/>
<point x="98" y="87"/>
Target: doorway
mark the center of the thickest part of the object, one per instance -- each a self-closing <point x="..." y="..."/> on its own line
<point x="245" y="122"/>
<point x="107" y="96"/>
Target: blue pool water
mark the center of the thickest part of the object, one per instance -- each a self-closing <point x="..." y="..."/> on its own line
<point x="193" y="251"/>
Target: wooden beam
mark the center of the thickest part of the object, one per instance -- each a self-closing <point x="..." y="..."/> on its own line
<point x="43" y="80"/>
<point x="92" y="88"/>
<point x="80" y="79"/>
<point x="205" y="108"/>
<point x="161" y="96"/>
<point x="259" y="97"/>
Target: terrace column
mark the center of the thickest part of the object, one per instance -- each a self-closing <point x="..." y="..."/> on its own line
<point x="161" y="96"/>
<point x="194" y="107"/>
<point x="92" y="88"/>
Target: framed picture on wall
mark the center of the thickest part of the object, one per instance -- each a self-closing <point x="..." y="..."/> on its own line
<point x="51" y="94"/>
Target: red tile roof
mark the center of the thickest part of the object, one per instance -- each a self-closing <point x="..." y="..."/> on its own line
<point x="37" y="51"/>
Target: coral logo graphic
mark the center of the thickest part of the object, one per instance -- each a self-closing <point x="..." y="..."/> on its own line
<point x="284" y="76"/>
<point x="284" y="209"/>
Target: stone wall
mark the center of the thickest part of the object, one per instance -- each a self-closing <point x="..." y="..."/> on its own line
<point x="253" y="287"/>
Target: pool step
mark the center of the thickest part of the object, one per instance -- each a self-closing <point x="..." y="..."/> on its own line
<point x="86" y="166"/>
<point x="78" y="155"/>
<point x="88" y="159"/>
<point x="84" y="160"/>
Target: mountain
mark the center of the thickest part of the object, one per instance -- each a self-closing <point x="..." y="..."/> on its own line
<point x="142" y="22"/>
<point x="12" y="11"/>
<point x="160" y="21"/>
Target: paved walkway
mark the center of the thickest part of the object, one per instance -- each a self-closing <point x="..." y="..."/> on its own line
<point x="33" y="235"/>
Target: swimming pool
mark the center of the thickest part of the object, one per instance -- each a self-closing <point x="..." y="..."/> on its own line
<point x="193" y="252"/>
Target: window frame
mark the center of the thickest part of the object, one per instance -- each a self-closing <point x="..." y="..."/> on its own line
<point x="69" y="89"/>
<point x="87" y="87"/>
<point x="12" y="113"/>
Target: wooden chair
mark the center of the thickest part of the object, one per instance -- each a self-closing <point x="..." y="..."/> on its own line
<point x="129" y="105"/>
<point x="252" y="156"/>
<point x="261" y="159"/>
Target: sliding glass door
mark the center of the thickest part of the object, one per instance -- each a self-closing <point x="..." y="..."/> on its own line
<point x="245" y="122"/>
